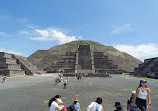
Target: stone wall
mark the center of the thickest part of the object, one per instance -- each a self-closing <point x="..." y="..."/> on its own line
<point x="65" y="64"/>
<point x="147" y="69"/>
<point x="12" y="65"/>
<point x="9" y="65"/>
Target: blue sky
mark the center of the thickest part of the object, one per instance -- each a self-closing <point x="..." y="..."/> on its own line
<point x="30" y="25"/>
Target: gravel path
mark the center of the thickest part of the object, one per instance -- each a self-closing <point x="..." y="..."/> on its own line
<point x="31" y="93"/>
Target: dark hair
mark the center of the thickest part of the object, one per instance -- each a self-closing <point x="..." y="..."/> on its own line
<point x="99" y="100"/>
<point x="53" y="99"/>
<point x="141" y="85"/>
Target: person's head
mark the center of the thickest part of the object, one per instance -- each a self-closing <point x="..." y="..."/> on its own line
<point x="75" y="100"/>
<point x="118" y="105"/>
<point x="133" y="93"/>
<point x="99" y="100"/>
<point x="143" y="83"/>
<point x="56" y="99"/>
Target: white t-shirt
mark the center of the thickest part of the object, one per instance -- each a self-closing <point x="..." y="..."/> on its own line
<point x="53" y="106"/>
<point x="92" y="107"/>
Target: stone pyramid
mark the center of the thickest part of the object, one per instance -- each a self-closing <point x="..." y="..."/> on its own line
<point x="84" y="57"/>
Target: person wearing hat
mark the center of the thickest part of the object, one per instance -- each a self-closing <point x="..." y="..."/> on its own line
<point x="75" y="106"/>
<point x="54" y="103"/>
<point x="142" y="95"/>
<point x="118" y="106"/>
<point x="130" y="103"/>
<point x="96" y="106"/>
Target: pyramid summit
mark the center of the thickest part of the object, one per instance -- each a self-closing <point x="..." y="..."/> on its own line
<point x="83" y="57"/>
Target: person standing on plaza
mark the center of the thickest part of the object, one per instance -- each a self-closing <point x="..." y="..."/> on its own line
<point x="4" y="79"/>
<point x="142" y="95"/>
<point x="67" y="78"/>
<point x="65" y="84"/>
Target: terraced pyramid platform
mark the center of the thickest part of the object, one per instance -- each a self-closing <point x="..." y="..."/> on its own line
<point x="84" y="57"/>
<point x="13" y="65"/>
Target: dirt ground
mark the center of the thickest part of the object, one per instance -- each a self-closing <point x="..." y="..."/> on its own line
<point x="31" y="93"/>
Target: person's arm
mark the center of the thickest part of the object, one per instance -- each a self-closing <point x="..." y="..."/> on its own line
<point x="149" y="98"/>
<point x="89" y="107"/>
<point x="78" y="107"/>
<point x="59" y="108"/>
<point x="136" y="95"/>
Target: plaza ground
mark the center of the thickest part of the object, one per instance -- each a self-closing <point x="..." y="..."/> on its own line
<point x="31" y="93"/>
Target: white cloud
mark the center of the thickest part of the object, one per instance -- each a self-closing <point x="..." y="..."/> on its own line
<point x="9" y="51"/>
<point x="4" y="34"/>
<point x="48" y="34"/>
<point x="141" y="52"/>
<point x="121" y="29"/>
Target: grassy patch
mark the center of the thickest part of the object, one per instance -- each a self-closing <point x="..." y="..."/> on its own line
<point x="56" y="89"/>
<point x="156" y="96"/>
<point x="146" y="78"/>
<point x="46" y="101"/>
<point x="128" y="89"/>
<point x="63" y="97"/>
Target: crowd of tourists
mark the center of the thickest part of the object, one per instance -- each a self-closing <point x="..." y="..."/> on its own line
<point x="59" y="80"/>
<point x="65" y="81"/>
<point x="137" y="102"/>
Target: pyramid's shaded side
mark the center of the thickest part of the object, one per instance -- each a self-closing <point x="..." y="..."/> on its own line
<point x="55" y="56"/>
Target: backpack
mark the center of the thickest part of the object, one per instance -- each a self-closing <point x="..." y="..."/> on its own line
<point x="131" y="105"/>
<point x="97" y="108"/>
<point x="71" y="108"/>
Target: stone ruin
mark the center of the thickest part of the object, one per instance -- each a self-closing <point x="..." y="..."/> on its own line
<point x="86" y="57"/>
<point x="11" y="65"/>
<point x="147" y="69"/>
<point x="70" y="58"/>
<point x="85" y="61"/>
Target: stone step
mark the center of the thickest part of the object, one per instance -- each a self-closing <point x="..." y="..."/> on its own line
<point x="6" y="55"/>
<point x="107" y="67"/>
<point x="65" y="63"/>
<point x="8" y="60"/>
<point x="110" y="71"/>
<point x="12" y="72"/>
<point x="10" y="66"/>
